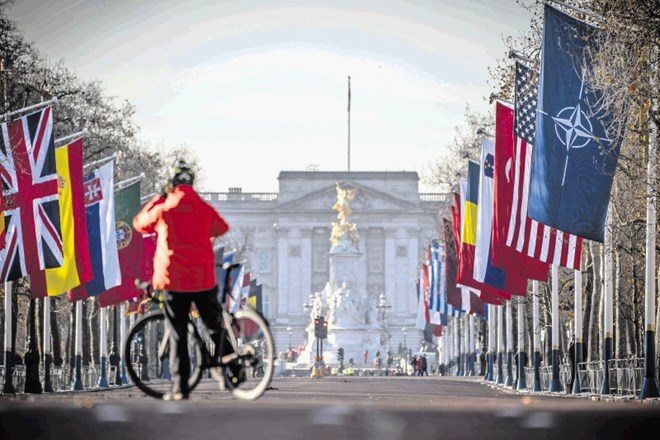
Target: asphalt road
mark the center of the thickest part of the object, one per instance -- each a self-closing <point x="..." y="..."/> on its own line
<point x="330" y="408"/>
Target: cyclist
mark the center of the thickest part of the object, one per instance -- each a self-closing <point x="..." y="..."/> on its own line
<point x="184" y="264"/>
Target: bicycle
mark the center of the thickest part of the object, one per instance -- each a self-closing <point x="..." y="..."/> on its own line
<point x="246" y="372"/>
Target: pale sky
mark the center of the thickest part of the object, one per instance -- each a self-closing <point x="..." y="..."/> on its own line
<point x="256" y="87"/>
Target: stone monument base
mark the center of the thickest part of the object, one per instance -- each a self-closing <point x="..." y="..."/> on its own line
<point x="353" y="341"/>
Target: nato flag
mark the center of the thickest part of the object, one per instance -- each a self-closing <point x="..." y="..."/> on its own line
<point x="575" y="156"/>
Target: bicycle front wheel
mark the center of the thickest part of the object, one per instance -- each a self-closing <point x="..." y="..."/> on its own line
<point x="256" y="353"/>
<point x="147" y="356"/>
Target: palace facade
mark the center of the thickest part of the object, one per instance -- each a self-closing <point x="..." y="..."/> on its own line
<point x="285" y="240"/>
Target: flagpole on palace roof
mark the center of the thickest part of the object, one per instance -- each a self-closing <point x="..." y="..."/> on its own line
<point x="96" y="162"/>
<point x="349" y="123"/>
<point x="76" y="135"/>
<point x="53" y="100"/>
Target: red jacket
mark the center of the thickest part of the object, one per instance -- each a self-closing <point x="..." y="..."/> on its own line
<point x="185" y="224"/>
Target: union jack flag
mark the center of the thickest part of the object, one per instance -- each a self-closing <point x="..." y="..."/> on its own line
<point x="33" y="240"/>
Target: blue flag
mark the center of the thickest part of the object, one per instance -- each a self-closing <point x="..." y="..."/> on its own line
<point x="574" y="156"/>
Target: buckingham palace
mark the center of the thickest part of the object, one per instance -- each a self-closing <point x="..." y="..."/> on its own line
<point x="285" y="239"/>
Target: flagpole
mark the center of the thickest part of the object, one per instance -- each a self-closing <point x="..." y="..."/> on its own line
<point x="536" y="352"/>
<point x="577" y="332"/>
<point x="508" y="382"/>
<point x="8" y="387"/>
<point x="500" y="345"/>
<point x="48" y="356"/>
<point x="494" y="97"/>
<point x="77" y="383"/>
<point x="128" y="182"/>
<point x="96" y="162"/>
<point x="520" y="57"/>
<point x="146" y="198"/>
<point x="103" y="347"/>
<point x="349" y="123"/>
<point x="574" y="8"/>
<point x="608" y="298"/>
<point x="78" y="134"/>
<point x="491" y="343"/>
<point x="555" y="384"/>
<point x="521" y="383"/>
<point x="649" y="385"/>
<point x="30" y="107"/>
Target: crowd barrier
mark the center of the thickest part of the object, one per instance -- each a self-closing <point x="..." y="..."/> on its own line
<point x="61" y="378"/>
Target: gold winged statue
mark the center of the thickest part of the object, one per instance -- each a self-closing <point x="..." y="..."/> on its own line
<point x="344" y="197"/>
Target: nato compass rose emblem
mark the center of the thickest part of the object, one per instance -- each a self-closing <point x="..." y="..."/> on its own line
<point x="573" y="128"/>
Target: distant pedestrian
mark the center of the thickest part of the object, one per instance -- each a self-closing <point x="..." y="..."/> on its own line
<point x="365" y="355"/>
<point x="425" y="365"/>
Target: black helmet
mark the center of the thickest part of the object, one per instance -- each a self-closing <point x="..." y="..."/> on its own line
<point x="182" y="174"/>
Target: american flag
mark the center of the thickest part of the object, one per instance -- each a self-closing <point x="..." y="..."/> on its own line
<point x="31" y="201"/>
<point x="525" y="101"/>
<point x="528" y="236"/>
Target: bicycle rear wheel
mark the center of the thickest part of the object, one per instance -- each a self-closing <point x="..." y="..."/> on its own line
<point x="256" y="354"/>
<point x="147" y="356"/>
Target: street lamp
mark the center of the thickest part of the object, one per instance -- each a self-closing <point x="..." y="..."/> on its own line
<point x="382" y="306"/>
<point x="405" y="347"/>
<point x="289" y="329"/>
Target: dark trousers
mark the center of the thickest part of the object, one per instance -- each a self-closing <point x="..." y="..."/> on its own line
<point x="177" y="308"/>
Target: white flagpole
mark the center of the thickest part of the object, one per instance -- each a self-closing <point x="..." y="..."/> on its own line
<point x="500" y="345"/>
<point x="649" y="384"/>
<point x="77" y="383"/>
<point x="491" y="342"/>
<point x="76" y="135"/>
<point x="555" y="384"/>
<point x="96" y="162"/>
<point x="349" y="124"/>
<point x="537" y="337"/>
<point x="522" y="382"/>
<point x="129" y="181"/>
<point x="48" y="387"/>
<point x="509" y="345"/>
<point x="577" y="333"/>
<point x="608" y="299"/>
<point x="29" y="108"/>
<point x="103" y="348"/>
<point x="122" y="337"/>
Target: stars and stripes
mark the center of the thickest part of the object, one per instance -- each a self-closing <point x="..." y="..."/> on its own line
<point x="526" y="98"/>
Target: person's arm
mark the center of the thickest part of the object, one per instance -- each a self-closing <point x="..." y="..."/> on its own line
<point x="146" y="219"/>
<point x="219" y="226"/>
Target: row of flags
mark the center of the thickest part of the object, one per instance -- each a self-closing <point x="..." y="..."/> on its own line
<point x="59" y="222"/>
<point x="541" y="186"/>
<point x="70" y="230"/>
